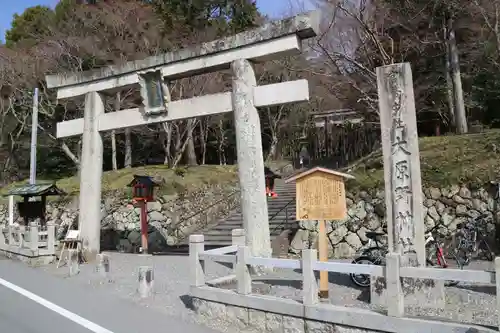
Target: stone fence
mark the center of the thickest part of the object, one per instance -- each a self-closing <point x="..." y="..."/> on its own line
<point x="35" y="244"/>
<point x="444" y="209"/>
<point x="240" y="308"/>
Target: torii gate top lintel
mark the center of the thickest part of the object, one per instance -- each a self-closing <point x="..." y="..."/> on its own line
<point x="222" y="52"/>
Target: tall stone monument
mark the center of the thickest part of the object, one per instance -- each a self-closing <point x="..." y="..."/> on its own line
<point x="403" y="186"/>
<point x="402" y="178"/>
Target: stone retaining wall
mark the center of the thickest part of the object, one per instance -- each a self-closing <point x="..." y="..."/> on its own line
<point x="444" y="208"/>
<point x="229" y="311"/>
<point x="251" y="320"/>
<point x="170" y="219"/>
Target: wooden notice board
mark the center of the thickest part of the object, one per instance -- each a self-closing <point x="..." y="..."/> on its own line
<point x="321" y="194"/>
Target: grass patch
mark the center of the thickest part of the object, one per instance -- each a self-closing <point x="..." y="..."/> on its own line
<point x="179" y="180"/>
<point x="471" y="159"/>
<point x="182" y="180"/>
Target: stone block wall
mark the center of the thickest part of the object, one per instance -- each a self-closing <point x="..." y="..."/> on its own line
<point x="170" y="219"/>
<point x="444" y="209"/>
<point x="238" y="319"/>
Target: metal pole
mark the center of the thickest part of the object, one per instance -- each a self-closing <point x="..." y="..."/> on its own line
<point x="144" y="226"/>
<point x="11" y="209"/>
<point x="34" y="130"/>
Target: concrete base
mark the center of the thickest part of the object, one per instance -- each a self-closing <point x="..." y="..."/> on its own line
<point x="89" y="256"/>
<point x="34" y="261"/>
<point x="417" y="292"/>
<point x="228" y="311"/>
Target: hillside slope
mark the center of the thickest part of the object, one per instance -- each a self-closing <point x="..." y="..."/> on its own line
<point x="471" y="159"/>
<point x="182" y="180"/>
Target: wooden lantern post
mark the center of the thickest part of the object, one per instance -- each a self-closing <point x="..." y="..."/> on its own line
<point x="143" y="192"/>
<point x="321" y="196"/>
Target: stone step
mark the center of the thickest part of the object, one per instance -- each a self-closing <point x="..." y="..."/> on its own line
<point x="227" y="229"/>
<point x="230" y="226"/>
<point x="277" y="220"/>
<point x="225" y="238"/>
<point x="238" y="219"/>
<point x="216" y="232"/>
<point x="281" y="212"/>
<point x="274" y="210"/>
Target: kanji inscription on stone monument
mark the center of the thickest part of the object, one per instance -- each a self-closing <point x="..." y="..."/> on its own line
<point x="401" y="160"/>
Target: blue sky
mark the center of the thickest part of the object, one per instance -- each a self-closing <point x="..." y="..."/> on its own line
<point x="272" y="8"/>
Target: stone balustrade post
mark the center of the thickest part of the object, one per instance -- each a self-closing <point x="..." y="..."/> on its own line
<point x="196" y="247"/>
<point x="497" y="282"/>
<point x="243" y="277"/>
<point x="33" y="228"/>
<point x="12" y="229"/>
<point x="237" y="238"/>
<point x="51" y="237"/>
<point x="395" y="299"/>
<point x="3" y="240"/>
<point x="21" y="232"/>
<point x="309" y="282"/>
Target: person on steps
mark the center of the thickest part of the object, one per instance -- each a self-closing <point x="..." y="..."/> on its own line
<point x="270" y="177"/>
<point x="304" y="157"/>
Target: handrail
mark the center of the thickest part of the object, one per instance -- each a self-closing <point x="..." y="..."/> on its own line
<point x="204" y="209"/>
<point x="209" y="206"/>
<point x="228" y="196"/>
<point x="285" y="207"/>
<point x="201" y="211"/>
<point x="224" y="198"/>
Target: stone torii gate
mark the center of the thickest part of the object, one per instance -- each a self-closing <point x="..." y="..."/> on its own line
<point x="238" y="52"/>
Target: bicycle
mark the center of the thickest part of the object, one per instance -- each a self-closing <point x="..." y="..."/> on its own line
<point x="375" y="255"/>
<point x="470" y="238"/>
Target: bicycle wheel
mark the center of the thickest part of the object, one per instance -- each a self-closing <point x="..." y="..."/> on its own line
<point x="362" y="280"/>
<point x="373" y="252"/>
<point x="437" y="259"/>
<point x="487" y="253"/>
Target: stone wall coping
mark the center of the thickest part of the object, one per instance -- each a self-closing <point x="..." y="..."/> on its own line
<point x="348" y="316"/>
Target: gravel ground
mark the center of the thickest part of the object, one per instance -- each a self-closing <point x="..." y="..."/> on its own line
<point x="465" y="303"/>
<point x="171" y="280"/>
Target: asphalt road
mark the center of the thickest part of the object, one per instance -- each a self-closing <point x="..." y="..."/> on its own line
<point x="69" y="307"/>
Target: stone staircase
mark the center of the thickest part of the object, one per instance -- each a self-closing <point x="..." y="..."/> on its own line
<point x="281" y="219"/>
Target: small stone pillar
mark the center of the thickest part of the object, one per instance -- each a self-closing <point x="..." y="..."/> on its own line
<point x="146" y="281"/>
<point x="73" y="262"/>
<point x="102" y="267"/>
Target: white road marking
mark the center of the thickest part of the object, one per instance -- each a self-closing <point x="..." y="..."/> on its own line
<point x="93" y="327"/>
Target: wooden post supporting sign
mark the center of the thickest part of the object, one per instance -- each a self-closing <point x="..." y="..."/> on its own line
<point x="321" y="196"/>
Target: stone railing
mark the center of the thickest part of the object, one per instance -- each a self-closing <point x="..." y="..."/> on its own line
<point x="240" y="307"/>
<point x="27" y="243"/>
